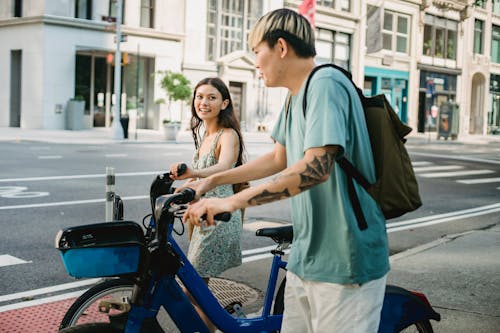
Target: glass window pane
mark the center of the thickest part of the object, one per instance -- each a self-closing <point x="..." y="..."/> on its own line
<point x="401" y="44"/>
<point x="439" y="51"/>
<point x="451" y="45"/>
<point x="402" y="24"/>
<point x="341" y="52"/>
<point x="387" y="21"/>
<point x="324" y="50"/>
<point x="387" y="41"/>
<point x="427" y="40"/>
<point x="495" y="44"/>
<point x="345" y="5"/>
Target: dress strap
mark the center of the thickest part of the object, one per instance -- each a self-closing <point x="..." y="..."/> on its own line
<point x="216" y="139"/>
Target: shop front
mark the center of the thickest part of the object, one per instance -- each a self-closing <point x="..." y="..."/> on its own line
<point x="394" y="84"/>
<point x="94" y="82"/>
<point x="436" y="89"/>
<point x="494" y="105"/>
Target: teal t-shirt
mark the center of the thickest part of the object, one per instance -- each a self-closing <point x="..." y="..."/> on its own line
<point x="328" y="245"/>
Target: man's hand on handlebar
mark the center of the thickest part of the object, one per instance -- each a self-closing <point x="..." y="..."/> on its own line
<point x="201" y="187"/>
<point x="208" y="207"/>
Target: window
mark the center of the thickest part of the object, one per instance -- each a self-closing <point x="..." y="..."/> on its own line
<point x="395" y="36"/>
<point x="229" y="22"/>
<point x="344" y="5"/>
<point x="480" y="3"/>
<point x="495" y="44"/>
<point x="326" y="3"/>
<point x="17" y="8"/>
<point x="113" y="5"/>
<point x="496" y="6"/>
<point x="147" y="13"/>
<point x="440" y="37"/>
<point x="333" y="46"/>
<point x="478" y="36"/>
<point x="83" y="9"/>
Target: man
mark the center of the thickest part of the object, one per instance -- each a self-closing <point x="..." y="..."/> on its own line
<point x="336" y="271"/>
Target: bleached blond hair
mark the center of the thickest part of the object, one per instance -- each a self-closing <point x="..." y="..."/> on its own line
<point x="287" y="24"/>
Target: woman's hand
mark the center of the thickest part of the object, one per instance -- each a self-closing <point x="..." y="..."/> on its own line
<point x="210" y="207"/>
<point x="178" y="173"/>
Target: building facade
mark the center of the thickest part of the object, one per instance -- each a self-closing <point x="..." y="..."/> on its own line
<point x="424" y="55"/>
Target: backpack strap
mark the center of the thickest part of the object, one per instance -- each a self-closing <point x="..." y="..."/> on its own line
<point x="342" y="161"/>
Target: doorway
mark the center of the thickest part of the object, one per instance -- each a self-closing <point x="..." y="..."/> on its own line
<point x="15" y="88"/>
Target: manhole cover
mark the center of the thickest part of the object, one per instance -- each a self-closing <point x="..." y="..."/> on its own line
<point x="229" y="291"/>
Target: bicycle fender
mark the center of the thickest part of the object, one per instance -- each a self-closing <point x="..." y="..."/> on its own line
<point x="402" y="308"/>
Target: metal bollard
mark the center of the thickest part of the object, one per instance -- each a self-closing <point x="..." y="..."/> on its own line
<point x="110" y="193"/>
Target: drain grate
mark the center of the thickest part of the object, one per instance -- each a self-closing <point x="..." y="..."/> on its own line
<point x="229" y="291"/>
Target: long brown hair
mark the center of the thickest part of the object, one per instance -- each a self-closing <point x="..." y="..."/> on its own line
<point x="226" y="117"/>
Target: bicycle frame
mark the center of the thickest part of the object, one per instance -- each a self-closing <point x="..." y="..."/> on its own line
<point x="165" y="291"/>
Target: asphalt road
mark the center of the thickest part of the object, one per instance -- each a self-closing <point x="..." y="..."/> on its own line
<point x="45" y="187"/>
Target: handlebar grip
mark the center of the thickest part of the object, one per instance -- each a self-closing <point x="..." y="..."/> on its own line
<point x="181" y="168"/>
<point x="187" y="195"/>
<point x="224" y="216"/>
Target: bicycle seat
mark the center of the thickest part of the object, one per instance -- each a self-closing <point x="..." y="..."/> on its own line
<point x="278" y="234"/>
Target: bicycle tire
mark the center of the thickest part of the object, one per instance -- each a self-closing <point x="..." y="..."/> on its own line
<point x="279" y="299"/>
<point x="90" y="328"/>
<point x="423" y="326"/>
<point x="79" y="312"/>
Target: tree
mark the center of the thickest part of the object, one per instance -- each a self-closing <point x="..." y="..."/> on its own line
<point x="177" y="87"/>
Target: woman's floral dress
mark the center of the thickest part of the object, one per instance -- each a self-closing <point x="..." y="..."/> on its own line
<point x="213" y="251"/>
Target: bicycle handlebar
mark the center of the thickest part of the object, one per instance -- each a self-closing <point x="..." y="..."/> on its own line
<point x="185" y="196"/>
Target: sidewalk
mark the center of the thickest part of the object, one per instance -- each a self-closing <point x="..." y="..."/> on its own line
<point x="101" y="135"/>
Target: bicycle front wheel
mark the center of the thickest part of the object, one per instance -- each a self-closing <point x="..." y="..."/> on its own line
<point x="86" y="308"/>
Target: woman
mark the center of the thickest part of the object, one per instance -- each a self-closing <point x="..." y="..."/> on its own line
<point x="219" y="146"/>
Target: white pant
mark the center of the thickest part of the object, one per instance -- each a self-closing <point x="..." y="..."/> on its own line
<point x="321" y="307"/>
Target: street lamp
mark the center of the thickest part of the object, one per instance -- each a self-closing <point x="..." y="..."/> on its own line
<point x="117" y="127"/>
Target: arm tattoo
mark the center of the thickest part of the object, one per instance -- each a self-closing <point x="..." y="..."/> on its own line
<point x="266" y="197"/>
<point x="316" y="171"/>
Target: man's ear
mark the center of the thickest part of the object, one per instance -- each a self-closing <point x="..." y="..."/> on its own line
<point x="282" y="47"/>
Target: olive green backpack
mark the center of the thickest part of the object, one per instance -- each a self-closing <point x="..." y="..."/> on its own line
<point x="396" y="188"/>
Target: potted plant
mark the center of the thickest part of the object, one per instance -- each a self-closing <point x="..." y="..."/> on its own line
<point x="177" y="88"/>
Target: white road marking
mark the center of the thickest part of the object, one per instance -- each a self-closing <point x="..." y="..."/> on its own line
<point x="47" y="290"/>
<point x="442" y="218"/>
<point x="8" y="260"/>
<point x="49" y="157"/>
<point x="437" y="168"/>
<point x="119" y="174"/>
<point x="455" y="173"/>
<point x="420" y="163"/>
<point x="479" y="180"/>
<point x="68" y="203"/>
<point x="116" y="155"/>
<point x="460" y="158"/>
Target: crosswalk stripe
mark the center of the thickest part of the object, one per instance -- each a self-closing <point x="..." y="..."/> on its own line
<point x="479" y="180"/>
<point x="437" y="168"/>
<point x="8" y="260"/>
<point x="455" y="173"/>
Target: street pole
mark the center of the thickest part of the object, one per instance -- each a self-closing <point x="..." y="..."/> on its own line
<point x="117" y="127"/>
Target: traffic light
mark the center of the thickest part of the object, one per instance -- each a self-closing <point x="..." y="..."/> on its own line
<point x="125" y="59"/>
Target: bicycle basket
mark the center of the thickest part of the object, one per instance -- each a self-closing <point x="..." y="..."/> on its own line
<point x="101" y="249"/>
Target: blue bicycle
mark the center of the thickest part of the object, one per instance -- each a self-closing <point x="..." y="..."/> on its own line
<point x="149" y="269"/>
